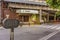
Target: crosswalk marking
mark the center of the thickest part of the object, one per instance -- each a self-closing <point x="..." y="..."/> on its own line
<point x="56" y="27"/>
<point x="50" y="26"/>
<point x="50" y="35"/>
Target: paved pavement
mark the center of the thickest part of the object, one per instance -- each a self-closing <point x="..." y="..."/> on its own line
<point x="32" y="32"/>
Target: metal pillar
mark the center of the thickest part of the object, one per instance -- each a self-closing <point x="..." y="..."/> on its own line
<point x="12" y="34"/>
<point x="40" y="13"/>
<point x="48" y="18"/>
<point x="2" y="11"/>
<point x="55" y="17"/>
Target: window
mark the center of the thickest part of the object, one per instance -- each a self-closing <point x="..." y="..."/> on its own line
<point x="24" y="18"/>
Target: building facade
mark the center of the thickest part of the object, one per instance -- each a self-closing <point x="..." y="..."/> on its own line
<point x="28" y="12"/>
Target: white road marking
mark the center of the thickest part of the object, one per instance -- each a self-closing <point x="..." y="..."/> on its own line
<point x="48" y="36"/>
<point x="54" y="27"/>
<point x="57" y="28"/>
<point x="50" y="26"/>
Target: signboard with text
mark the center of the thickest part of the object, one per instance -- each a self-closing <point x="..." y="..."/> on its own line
<point x="27" y="11"/>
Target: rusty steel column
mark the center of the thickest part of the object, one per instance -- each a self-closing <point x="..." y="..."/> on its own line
<point x="2" y="11"/>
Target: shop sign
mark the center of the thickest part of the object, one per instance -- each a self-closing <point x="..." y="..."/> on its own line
<point x="27" y="11"/>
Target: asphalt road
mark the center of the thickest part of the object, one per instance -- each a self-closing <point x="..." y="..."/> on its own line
<point x="55" y="37"/>
<point x="34" y="32"/>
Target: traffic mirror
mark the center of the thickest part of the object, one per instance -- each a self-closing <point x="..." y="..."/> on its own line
<point x="10" y="23"/>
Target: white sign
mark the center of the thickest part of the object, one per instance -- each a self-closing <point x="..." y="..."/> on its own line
<point x="27" y="11"/>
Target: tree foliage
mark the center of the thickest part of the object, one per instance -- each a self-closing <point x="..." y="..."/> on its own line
<point x="53" y="3"/>
<point x="58" y="13"/>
